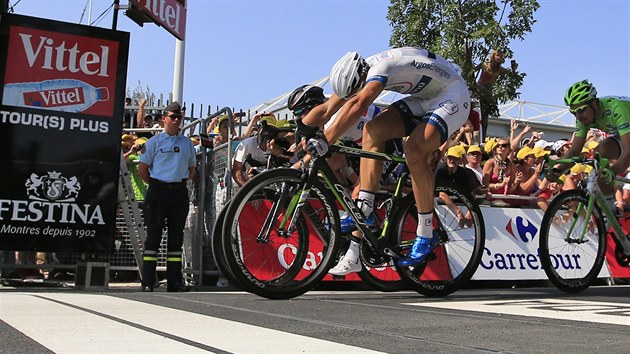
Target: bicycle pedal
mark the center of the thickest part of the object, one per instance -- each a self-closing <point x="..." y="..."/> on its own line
<point x="338" y="277"/>
<point x="431" y="257"/>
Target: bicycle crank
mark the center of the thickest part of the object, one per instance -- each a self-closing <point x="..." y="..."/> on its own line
<point x="370" y="257"/>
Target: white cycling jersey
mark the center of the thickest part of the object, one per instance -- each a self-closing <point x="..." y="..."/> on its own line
<point x="413" y="71"/>
<point x="355" y="133"/>
<point x="437" y="93"/>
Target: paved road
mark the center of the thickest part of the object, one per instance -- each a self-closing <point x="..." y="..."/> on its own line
<point x="470" y="321"/>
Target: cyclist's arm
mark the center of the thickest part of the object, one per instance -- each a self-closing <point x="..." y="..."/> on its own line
<point x="622" y="163"/>
<point x="319" y="115"/>
<point x="353" y="110"/>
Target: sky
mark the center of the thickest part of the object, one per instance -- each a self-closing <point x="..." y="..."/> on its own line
<point x="241" y="53"/>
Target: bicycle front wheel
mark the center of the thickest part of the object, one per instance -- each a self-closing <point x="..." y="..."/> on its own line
<point x="266" y="258"/>
<point x="572" y="243"/>
<point x="217" y="249"/>
<point x="461" y="243"/>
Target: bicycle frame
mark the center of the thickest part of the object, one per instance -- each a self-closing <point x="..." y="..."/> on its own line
<point x="320" y="166"/>
<point x="596" y="197"/>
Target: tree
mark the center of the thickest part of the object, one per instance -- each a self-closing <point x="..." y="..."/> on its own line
<point x="465" y="32"/>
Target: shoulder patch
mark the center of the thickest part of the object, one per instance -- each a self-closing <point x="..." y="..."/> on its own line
<point x="385" y="56"/>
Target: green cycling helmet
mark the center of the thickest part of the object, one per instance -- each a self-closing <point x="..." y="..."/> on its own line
<point x="580" y="92"/>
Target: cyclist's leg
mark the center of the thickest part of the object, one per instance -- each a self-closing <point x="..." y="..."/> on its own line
<point x="387" y="125"/>
<point x="609" y="148"/>
<point x="418" y="149"/>
<point x="444" y="115"/>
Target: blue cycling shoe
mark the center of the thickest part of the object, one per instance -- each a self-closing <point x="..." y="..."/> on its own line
<point x="348" y="225"/>
<point x="422" y="247"/>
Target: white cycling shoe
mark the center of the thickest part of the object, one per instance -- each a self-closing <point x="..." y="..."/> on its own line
<point x="346" y="266"/>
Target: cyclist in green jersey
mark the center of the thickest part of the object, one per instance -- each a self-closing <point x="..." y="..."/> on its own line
<point x="610" y="114"/>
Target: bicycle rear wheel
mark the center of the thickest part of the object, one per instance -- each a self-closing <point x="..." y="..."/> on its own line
<point x="461" y="244"/>
<point x="385" y="277"/>
<point x="267" y="260"/>
<point x="572" y="244"/>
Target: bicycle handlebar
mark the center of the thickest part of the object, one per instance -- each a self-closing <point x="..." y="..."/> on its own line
<point x="596" y="162"/>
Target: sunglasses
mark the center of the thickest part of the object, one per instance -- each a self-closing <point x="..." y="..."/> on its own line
<point x="300" y="112"/>
<point x="505" y="146"/>
<point x="579" y="110"/>
<point x="175" y="116"/>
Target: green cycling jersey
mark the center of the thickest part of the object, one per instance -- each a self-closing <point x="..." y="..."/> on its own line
<point x="615" y="118"/>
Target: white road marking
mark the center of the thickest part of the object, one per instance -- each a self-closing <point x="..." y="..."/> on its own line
<point x="561" y="309"/>
<point x="64" y="324"/>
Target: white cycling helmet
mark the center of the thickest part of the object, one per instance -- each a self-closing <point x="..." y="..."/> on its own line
<point x="345" y="75"/>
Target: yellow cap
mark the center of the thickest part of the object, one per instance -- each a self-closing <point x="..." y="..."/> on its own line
<point x="489" y="145"/>
<point x="580" y="168"/>
<point x="271" y="120"/>
<point x="222" y="118"/>
<point x="540" y="152"/>
<point x="473" y="148"/>
<point x="141" y="141"/>
<point x="283" y="123"/>
<point x="591" y="145"/>
<point x="524" y="152"/>
<point x="456" y="151"/>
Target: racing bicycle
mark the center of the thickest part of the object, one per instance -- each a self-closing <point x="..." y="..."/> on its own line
<point x="574" y="229"/>
<point x="281" y="231"/>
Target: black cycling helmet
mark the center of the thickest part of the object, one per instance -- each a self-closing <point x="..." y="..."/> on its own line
<point x="305" y="97"/>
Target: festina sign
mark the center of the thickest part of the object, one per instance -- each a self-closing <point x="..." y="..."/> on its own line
<point x="170" y="14"/>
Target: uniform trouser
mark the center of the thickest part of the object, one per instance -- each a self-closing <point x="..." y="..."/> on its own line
<point x="164" y="207"/>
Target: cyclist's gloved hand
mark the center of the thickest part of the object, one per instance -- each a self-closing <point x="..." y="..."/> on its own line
<point x="317" y="146"/>
<point x="607" y="175"/>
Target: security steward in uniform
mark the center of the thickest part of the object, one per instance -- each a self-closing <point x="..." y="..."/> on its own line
<point x="167" y="162"/>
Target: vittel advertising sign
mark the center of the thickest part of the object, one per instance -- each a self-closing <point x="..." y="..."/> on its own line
<point x="170" y="14"/>
<point x="63" y="90"/>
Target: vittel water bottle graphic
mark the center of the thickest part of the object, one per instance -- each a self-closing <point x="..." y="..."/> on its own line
<point x="66" y="95"/>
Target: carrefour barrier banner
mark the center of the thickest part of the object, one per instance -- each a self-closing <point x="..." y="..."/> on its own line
<point x="63" y="90"/>
<point x="512" y="252"/>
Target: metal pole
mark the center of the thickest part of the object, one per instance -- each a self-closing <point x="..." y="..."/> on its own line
<point x="178" y="71"/>
<point x="90" y="13"/>
<point x="115" y="17"/>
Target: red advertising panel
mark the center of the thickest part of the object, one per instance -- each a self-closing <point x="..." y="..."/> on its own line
<point x="170" y="14"/>
<point x="63" y="90"/>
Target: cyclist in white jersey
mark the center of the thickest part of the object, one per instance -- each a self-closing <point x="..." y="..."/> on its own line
<point x="437" y="105"/>
<point x="309" y="98"/>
